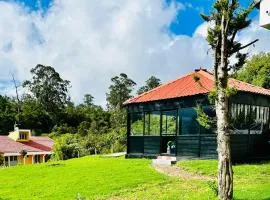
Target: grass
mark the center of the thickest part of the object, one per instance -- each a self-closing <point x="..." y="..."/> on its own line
<point x="95" y="177"/>
<point x="251" y="181"/>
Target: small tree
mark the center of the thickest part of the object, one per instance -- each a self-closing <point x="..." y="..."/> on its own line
<point x="227" y="20"/>
<point x="151" y="83"/>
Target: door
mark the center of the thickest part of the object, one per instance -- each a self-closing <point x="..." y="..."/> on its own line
<point x="168" y="132"/>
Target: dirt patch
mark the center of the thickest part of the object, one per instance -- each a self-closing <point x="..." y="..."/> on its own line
<point x="178" y="172"/>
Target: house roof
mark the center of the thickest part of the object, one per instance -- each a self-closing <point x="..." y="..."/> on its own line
<point x="187" y="86"/>
<point x="35" y="144"/>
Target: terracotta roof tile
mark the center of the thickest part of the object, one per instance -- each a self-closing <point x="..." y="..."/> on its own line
<point x="36" y="144"/>
<point x="187" y="86"/>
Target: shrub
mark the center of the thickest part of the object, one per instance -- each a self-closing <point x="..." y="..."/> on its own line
<point x="1" y="160"/>
<point x="67" y="146"/>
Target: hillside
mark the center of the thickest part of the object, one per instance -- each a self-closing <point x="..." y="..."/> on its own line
<point x="118" y="178"/>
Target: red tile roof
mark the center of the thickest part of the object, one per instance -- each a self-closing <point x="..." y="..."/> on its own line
<point x="187" y="86"/>
<point x="35" y="144"/>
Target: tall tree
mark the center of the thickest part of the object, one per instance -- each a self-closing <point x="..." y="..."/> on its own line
<point x="49" y="89"/>
<point x="256" y="71"/>
<point x="119" y="91"/>
<point x="227" y="19"/>
<point x="88" y="100"/>
<point x="151" y="83"/>
<point x="8" y="110"/>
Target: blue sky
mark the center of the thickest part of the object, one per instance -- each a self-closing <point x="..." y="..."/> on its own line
<point x="89" y="41"/>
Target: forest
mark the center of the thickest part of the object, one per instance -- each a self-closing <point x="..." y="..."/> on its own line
<point x="46" y="108"/>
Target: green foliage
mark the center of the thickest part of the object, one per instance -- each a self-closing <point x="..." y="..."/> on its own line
<point x="23" y="153"/>
<point x="202" y="118"/>
<point x="196" y="78"/>
<point x="33" y="116"/>
<point x="234" y="19"/>
<point x="119" y="91"/>
<point x="256" y="71"/>
<point x="7" y="114"/>
<point x="49" y="89"/>
<point x="67" y="146"/>
<point x="1" y="160"/>
<point x="212" y="96"/>
<point x="85" y="128"/>
<point x="150" y="84"/>
<point x="230" y="91"/>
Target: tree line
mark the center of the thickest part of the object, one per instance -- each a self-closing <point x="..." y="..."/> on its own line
<point x="46" y="108"/>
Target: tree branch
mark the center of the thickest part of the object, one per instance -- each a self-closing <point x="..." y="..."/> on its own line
<point x="245" y="46"/>
<point x="17" y="94"/>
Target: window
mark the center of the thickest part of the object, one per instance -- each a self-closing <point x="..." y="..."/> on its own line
<point x="13" y="158"/>
<point x="37" y="159"/>
<point x="23" y="135"/>
<point x="188" y="122"/>
<point x="137" y="121"/>
<point x="251" y="119"/>
<point x="169" y="120"/>
<point x="152" y="124"/>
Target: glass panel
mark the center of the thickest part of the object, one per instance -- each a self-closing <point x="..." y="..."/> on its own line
<point x="137" y="124"/>
<point x="152" y="124"/>
<point x="188" y="122"/>
<point x="249" y="119"/>
<point x="169" y="120"/>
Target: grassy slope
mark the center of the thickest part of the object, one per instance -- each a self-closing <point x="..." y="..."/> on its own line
<point x="118" y="178"/>
<point x="251" y="181"/>
<point x="94" y="177"/>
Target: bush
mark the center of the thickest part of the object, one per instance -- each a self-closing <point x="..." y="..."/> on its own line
<point x="1" y="160"/>
<point x="67" y="146"/>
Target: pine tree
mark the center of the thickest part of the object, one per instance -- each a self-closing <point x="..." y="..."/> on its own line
<point x="226" y="20"/>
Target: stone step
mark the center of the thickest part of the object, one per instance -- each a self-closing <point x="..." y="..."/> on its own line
<point x="172" y="158"/>
<point x="164" y="160"/>
<point x="161" y="162"/>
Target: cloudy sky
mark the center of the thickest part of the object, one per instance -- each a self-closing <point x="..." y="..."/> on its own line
<point x="89" y="41"/>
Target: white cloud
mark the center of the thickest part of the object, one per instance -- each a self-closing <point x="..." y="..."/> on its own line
<point x="88" y="42"/>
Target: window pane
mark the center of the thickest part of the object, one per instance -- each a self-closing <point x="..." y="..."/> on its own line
<point x="152" y="124"/>
<point x="188" y="122"/>
<point x="137" y="124"/>
<point x="169" y="120"/>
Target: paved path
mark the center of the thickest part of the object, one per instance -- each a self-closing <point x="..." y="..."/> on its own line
<point x="178" y="172"/>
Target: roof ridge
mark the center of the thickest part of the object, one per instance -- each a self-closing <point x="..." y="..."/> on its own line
<point x="206" y="74"/>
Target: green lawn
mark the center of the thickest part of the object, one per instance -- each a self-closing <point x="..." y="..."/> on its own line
<point x="118" y="178"/>
<point x="95" y="178"/>
<point x="251" y="181"/>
